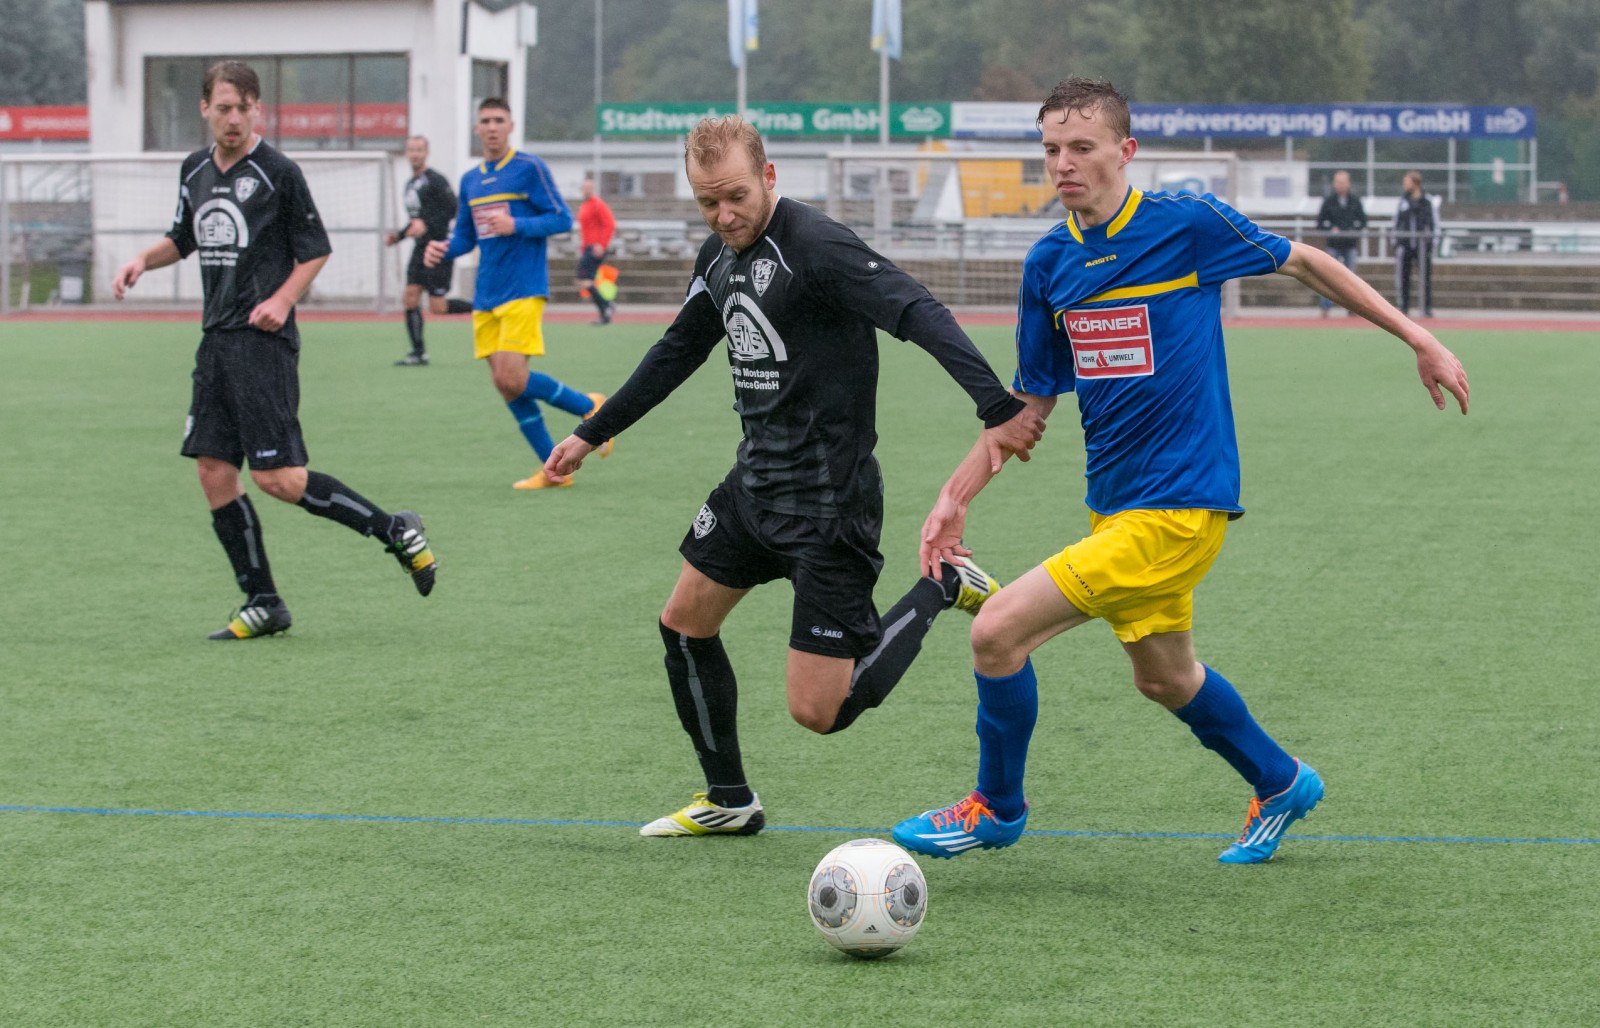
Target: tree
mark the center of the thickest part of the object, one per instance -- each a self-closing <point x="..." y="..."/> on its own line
<point x="1253" y="51"/>
<point x="41" y="52"/>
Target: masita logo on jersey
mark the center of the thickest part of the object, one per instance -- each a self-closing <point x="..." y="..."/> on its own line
<point x="220" y="223"/>
<point x="1111" y="342"/>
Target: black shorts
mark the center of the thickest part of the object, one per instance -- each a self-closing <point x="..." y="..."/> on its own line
<point x="588" y="265"/>
<point x="833" y="564"/>
<point x="435" y="281"/>
<point x="246" y="401"/>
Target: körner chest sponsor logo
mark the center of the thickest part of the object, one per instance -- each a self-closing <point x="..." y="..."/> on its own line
<point x="1111" y="342"/>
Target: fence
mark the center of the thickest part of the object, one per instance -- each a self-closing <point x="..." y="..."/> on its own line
<point x="67" y="223"/>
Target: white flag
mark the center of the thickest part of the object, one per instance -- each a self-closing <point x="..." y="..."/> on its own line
<point x="886" y="27"/>
<point x="742" y="34"/>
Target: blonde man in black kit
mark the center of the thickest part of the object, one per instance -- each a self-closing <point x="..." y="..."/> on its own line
<point x="799" y="299"/>
<point x="245" y="207"/>
<point x="430" y="208"/>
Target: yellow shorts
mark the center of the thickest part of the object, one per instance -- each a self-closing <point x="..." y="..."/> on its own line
<point x="1137" y="569"/>
<point x="515" y="326"/>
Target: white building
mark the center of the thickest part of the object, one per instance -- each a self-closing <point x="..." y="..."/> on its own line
<point x="353" y="78"/>
<point x="356" y="74"/>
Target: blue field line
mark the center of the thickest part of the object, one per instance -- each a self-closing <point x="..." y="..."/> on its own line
<point x="576" y="822"/>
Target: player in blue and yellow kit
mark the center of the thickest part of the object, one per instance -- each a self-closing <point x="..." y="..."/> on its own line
<point x="1121" y="303"/>
<point x="508" y="207"/>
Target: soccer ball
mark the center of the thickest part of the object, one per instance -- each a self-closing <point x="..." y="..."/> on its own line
<point x="867" y="898"/>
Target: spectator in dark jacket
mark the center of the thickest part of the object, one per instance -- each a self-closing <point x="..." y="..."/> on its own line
<point x="1343" y="219"/>
<point x="1414" y="229"/>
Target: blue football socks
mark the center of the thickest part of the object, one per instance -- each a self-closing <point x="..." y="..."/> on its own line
<point x="1219" y="719"/>
<point x="531" y="420"/>
<point x="1007" y="710"/>
<point x="557" y="394"/>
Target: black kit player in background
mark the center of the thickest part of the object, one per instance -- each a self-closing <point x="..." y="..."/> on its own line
<point x="799" y="298"/>
<point x="246" y="208"/>
<point x="430" y="207"/>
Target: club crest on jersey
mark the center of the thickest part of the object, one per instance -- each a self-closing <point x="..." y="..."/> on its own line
<point x="704" y="522"/>
<point x="761" y="271"/>
<point x="1112" y="342"/>
<point x="244" y="187"/>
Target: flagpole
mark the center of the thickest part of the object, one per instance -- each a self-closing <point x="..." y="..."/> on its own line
<point x="741" y="88"/>
<point x="883" y="98"/>
<point x="599" y="80"/>
<point x="883" y="208"/>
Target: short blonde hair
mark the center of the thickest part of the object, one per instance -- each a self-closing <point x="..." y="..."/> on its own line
<point x="713" y="139"/>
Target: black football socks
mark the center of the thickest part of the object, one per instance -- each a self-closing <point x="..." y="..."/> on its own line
<point x="707" y="697"/>
<point x="904" y="628"/>
<point x="239" y="531"/>
<point x="327" y="497"/>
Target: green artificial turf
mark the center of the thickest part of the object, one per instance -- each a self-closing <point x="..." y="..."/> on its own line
<point x="1409" y="605"/>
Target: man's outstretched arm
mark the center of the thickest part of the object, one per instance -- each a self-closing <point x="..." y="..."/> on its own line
<point x="1438" y="368"/>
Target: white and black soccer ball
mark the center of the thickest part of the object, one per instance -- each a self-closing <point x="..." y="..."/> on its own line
<point x="867" y="898"/>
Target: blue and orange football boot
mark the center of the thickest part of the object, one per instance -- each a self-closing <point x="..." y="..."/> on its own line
<point x="969" y="824"/>
<point x="1269" y="818"/>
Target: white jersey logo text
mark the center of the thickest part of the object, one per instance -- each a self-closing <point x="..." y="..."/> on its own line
<point x="220" y="223"/>
<point x="751" y="336"/>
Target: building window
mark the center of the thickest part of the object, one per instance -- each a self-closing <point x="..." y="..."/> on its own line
<point x="489" y="78"/>
<point x="325" y="102"/>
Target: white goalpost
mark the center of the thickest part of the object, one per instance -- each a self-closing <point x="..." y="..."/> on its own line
<point x="79" y="217"/>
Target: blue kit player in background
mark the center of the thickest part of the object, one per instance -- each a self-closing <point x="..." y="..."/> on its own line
<point x="1121" y="303"/>
<point x="508" y="207"/>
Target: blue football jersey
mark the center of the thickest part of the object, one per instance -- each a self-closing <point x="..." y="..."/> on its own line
<point x="1128" y="314"/>
<point x="509" y="267"/>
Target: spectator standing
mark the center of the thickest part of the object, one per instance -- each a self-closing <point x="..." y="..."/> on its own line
<point x="1414" y="229"/>
<point x="1343" y="219"/>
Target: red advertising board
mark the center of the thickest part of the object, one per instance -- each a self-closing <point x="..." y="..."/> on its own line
<point x="287" y="121"/>
<point x="322" y="121"/>
<point x="20" y="123"/>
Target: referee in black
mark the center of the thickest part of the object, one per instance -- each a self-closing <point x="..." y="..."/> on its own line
<point x="245" y="207"/>
<point x="799" y="299"/>
<point x="1414" y="229"/>
<point x="430" y="207"/>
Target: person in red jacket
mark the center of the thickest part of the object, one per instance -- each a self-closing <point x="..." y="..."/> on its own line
<point x="596" y="224"/>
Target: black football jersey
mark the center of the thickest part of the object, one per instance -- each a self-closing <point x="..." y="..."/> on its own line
<point x="252" y="224"/>
<point x="799" y="309"/>
<point x="428" y="196"/>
